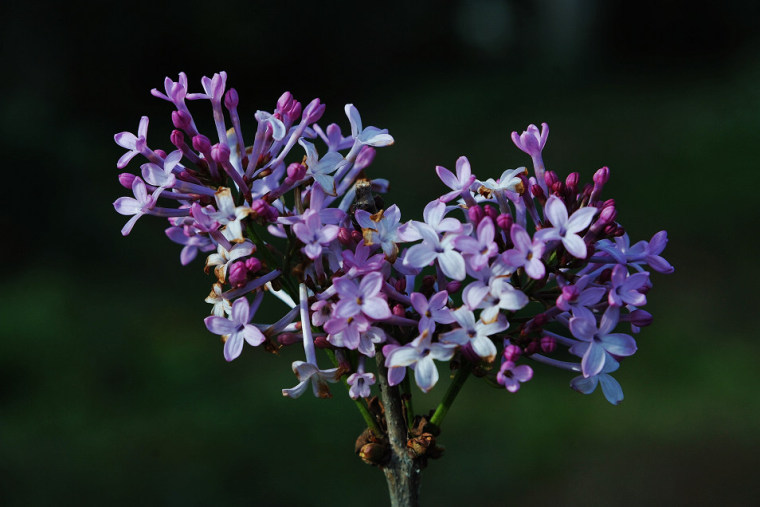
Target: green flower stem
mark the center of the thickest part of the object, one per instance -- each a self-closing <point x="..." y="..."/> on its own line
<point x="451" y="394"/>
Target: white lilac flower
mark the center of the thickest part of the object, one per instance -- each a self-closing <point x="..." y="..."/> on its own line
<point x="459" y="184"/>
<point x="566" y="229"/>
<point x="434" y="249"/>
<point x="371" y="136"/>
<point x="221" y="306"/>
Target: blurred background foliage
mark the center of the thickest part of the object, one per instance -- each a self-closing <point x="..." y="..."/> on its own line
<point x="113" y="393"/>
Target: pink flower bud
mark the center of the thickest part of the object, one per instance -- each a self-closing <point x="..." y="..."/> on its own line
<point x="365" y="157"/>
<point x="201" y="143"/>
<point x="504" y="221"/>
<point x="398" y="310"/>
<point x="220" y="152"/>
<point x="491" y="212"/>
<point x="453" y="286"/>
<point x="475" y="214"/>
<point x="512" y="352"/>
<point x="288" y="338"/>
<point x="548" y="344"/>
<point x="126" y="179"/>
<point x="181" y="120"/>
<point x="252" y="264"/>
<point x="160" y="153"/>
<point x="602" y="175"/>
<point x="231" y="99"/>
<point x="237" y="274"/>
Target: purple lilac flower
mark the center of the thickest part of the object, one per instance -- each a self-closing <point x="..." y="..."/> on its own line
<point x="610" y="387"/>
<point x="313" y="234"/>
<point x="371" y="136"/>
<point x="532" y="141"/>
<point x="579" y="295"/>
<point x="566" y="229"/>
<point x="364" y="297"/>
<point x="360" y="382"/>
<point x="432" y="311"/>
<point x="480" y="250"/>
<point x="510" y="375"/>
<point x="459" y="184"/>
<point x="624" y="288"/>
<point x="237" y="327"/>
<point x="382" y="229"/>
<point x="654" y="248"/>
<point x="420" y="352"/>
<point x="138" y="206"/>
<point x="321" y="169"/>
<point x="526" y="253"/>
<point x="433" y="249"/>
<point x="193" y="242"/>
<point x="131" y="142"/>
<point x="360" y="262"/>
<point x="597" y="343"/>
<point x="475" y="333"/>
<point x="222" y="259"/>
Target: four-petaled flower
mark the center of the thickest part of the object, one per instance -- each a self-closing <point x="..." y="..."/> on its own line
<point x="236" y="329"/>
<point x="420" y="352"/>
<point x="597" y="343"/>
<point x="566" y="229"/>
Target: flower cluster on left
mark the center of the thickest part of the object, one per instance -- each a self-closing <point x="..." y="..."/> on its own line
<point x="264" y="224"/>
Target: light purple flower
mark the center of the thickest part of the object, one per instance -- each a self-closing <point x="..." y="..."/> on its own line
<point x="360" y="383"/>
<point x="459" y="184"/>
<point x="624" y="288"/>
<point x="531" y="141"/>
<point x="610" y="387"/>
<point x="371" y="136"/>
<point x="364" y="297"/>
<point x="381" y="228"/>
<point x="141" y="204"/>
<point x="360" y="262"/>
<point x="131" y="142"/>
<point x="420" y="352"/>
<point x="433" y="249"/>
<point x="321" y="169"/>
<point x="475" y="333"/>
<point x="526" y="253"/>
<point x="579" y="295"/>
<point x="653" y="250"/>
<point x="597" y="343"/>
<point x="192" y="240"/>
<point x="566" y="229"/>
<point x="237" y="328"/>
<point x="313" y="234"/>
<point x="508" y="182"/>
<point x="432" y="311"/>
<point x="479" y="250"/>
<point x="510" y="375"/>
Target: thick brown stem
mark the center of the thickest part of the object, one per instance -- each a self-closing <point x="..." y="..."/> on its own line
<point x="403" y="472"/>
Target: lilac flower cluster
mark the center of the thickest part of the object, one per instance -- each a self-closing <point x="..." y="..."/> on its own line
<point x="526" y="267"/>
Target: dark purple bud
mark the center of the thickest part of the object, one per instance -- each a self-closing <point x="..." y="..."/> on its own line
<point x="252" y="264"/>
<point x="504" y="221"/>
<point x="344" y="236"/>
<point x="605" y="276"/>
<point x="558" y="188"/>
<point x="572" y="181"/>
<point x="453" y="286"/>
<point x="321" y="342"/>
<point x="356" y="236"/>
<point x="532" y="348"/>
<point x="400" y="285"/>
<point x="428" y="282"/>
<point x="201" y="143"/>
<point x="539" y="320"/>
<point x="608" y="215"/>
<point x="512" y="352"/>
<point x="398" y="310"/>
<point x="264" y="210"/>
<point x="220" y="152"/>
<point x="608" y="202"/>
<point x="177" y="138"/>
<point x="288" y="338"/>
<point x="475" y="214"/>
<point x="491" y="212"/>
<point x="181" y="120"/>
<point x="238" y="274"/>
<point x="602" y="175"/>
<point x="313" y="111"/>
<point x="160" y="153"/>
<point x="538" y="192"/>
<point x="293" y="113"/>
<point x="126" y="179"/>
<point x="365" y="157"/>
<point x="231" y="99"/>
<point x="550" y="177"/>
<point x="610" y="229"/>
<point x="640" y="318"/>
<point x="548" y="344"/>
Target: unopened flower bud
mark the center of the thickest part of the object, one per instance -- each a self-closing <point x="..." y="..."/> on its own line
<point x="356" y="236"/>
<point x="264" y="210"/>
<point x="608" y="215"/>
<point x="126" y="179"/>
<point x="293" y="112"/>
<point x="160" y="153"/>
<point x="237" y="274"/>
<point x="285" y="100"/>
<point x="532" y="348"/>
<point x="453" y="286"/>
<point x="220" y="152"/>
<point x="201" y="143"/>
<point x="181" y="120"/>
<point x="538" y="192"/>
<point x="504" y="221"/>
<point x="231" y="99"/>
<point x="400" y="285"/>
<point x="512" y="352"/>
<point x="296" y="172"/>
<point x="313" y="111"/>
<point x="398" y="310"/>
<point x="548" y="344"/>
<point x="491" y="212"/>
<point x="475" y="214"/>
<point x="321" y="342"/>
<point x="602" y="175"/>
<point x="374" y="453"/>
<point x="550" y="177"/>
<point x="344" y="236"/>
<point x="289" y="338"/>
<point x="252" y="264"/>
<point x="640" y="318"/>
<point x="177" y="138"/>
<point x="571" y="182"/>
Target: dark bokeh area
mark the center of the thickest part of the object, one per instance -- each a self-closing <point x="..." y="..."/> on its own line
<point x="113" y="393"/>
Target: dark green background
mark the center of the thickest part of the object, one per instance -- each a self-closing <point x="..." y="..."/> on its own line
<point x="113" y="393"/>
